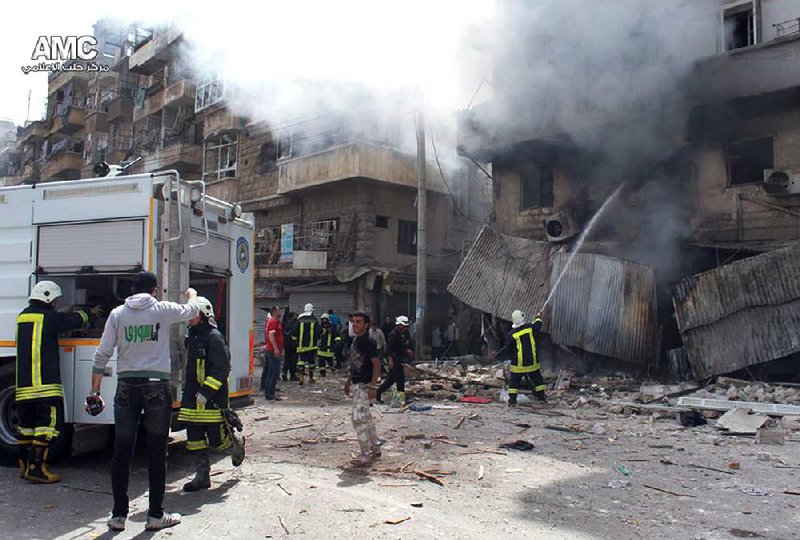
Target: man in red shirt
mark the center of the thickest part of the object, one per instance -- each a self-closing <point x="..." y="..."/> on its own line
<point x="273" y="336"/>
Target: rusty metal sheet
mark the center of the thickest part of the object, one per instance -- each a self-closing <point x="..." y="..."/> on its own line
<point x="502" y="273"/>
<point x="603" y="305"/>
<point x="741" y="314"/>
<point x="606" y="306"/>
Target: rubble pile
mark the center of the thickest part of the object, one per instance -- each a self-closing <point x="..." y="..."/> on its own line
<point x="757" y="392"/>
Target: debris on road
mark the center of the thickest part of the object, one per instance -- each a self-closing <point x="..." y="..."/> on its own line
<point x="740" y="421"/>
<point x="429" y="478"/>
<point x="754" y="491"/>
<point x="520" y="445"/>
<point x="668" y="492"/>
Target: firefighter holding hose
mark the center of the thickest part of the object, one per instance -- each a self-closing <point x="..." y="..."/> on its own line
<point x="520" y="347"/>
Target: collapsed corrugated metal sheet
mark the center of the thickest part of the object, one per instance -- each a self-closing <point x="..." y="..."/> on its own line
<point x="502" y="273"/>
<point x="603" y="305"/>
<point x="606" y="306"/>
<point x="741" y="314"/>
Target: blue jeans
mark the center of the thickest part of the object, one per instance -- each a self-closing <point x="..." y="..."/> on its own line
<point x="136" y="397"/>
<point x="269" y="377"/>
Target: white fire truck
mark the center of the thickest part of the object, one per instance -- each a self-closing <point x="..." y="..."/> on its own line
<point x="91" y="236"/>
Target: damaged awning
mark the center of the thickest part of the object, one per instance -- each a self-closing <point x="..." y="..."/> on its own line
<point x="502" y="273"/>
<point x="603" y="305"/>
<point x="741" y="314"/>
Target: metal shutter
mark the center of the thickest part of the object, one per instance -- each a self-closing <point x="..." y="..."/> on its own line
<point x="216" y="253"/>
<point x="105" y="246"/>
<point x="342" y="302"/>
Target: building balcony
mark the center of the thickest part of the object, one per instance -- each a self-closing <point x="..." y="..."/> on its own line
<point x="180" y="94"/>
<point x="218" y="120"/>
<point x="353" y="160"/>
<point x="152" y="104"/>
<point x="70" y="123"/>
<point x="63" y="165"/>
<point x="186" y="158"/>
<point x="156" y="53"/>
<point x="765" y="68"/>
<point x="96" y="121"/>
<point x="33" y="132"/>
<point x="120" y="109"/>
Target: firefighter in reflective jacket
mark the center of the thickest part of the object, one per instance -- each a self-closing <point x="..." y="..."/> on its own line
<point x="306" y="336"/>
<point x="39" y="392"/>
<point x="521" y="348"/>
<point x="205" y="397"/>
<point x="329" y="344"/>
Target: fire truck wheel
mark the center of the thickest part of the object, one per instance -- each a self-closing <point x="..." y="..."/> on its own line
<point x="8" y="423"/>
<point x="8" y="429"/>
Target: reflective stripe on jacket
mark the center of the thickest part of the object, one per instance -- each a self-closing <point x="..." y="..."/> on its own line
<point x="38" y="367"/>
<point x="521" y="343"/>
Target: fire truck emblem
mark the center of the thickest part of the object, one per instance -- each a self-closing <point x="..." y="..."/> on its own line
<point x="242" y="253"/>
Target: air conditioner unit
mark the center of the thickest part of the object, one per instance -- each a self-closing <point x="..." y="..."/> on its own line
<point x="779" y="183"/>
<point x="561" y="226"/>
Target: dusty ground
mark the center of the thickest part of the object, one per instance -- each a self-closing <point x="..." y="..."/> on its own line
<point x="298" y="480"/>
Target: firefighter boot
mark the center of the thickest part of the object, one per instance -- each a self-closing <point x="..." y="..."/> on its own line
<point x="322" y="372"/>
<point x="23" y="449"/>
<point x="38" y="470"/>
<point x="512" y="400"/>
<point x="202" y="478"/>
<point x="302" y="379"/>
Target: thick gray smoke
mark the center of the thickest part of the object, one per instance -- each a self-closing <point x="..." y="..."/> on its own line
<point x="607" y="81"/>
<point x="608" y="75"/>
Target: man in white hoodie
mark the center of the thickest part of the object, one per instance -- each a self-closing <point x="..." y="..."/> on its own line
<point x="139" y="330"/>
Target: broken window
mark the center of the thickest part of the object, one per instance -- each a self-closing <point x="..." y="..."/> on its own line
<point x="209" y="92"/>
<point x="407" y="237"/>
<point x="267" y="156"/>
<point x="536" y="187"/>
<point x="748" y="159"/>
<point x="382" y="222"/>
<point x="220" y="157"/>
<point x="739" y="27"/>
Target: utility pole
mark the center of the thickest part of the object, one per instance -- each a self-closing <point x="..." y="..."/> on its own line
<point x="422" y="244"/>
<point x="28" y="116"/>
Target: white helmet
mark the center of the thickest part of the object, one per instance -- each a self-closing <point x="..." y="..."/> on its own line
<point x="309" y="308"/>
<point x="402" y="319"/>
<point x="517" y="319"/>
<point x="325" y="317"/>
<point x="205" y="305"/>
<point x="45" y="291"/>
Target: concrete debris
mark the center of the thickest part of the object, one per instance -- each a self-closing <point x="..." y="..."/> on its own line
<point x="770" y="436"/>
<point x="656" y="392"/>
<point x="741" y="421"/>
<point x="738" y="390"/>
<point x="469" y="375"/>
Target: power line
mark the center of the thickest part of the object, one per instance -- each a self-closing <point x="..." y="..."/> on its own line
<point x="450" y="191"/>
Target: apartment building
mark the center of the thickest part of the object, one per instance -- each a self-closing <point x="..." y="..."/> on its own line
<point x="707" y="180"/>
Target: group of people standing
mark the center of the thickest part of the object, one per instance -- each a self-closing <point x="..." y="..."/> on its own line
<point x="138" y="332"/>
<point x="307" y="344"/>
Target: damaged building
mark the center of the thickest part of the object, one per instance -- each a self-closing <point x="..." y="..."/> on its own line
<point x="334" y="193"/>
<point x="679" y="185"/>
<point x="336" y="216"/>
